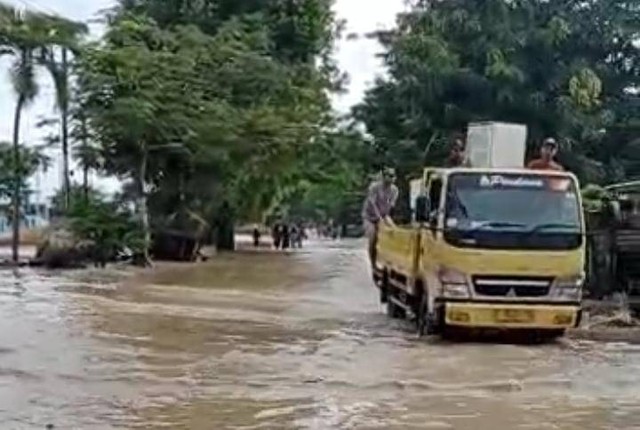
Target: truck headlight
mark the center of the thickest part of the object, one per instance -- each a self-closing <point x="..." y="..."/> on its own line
<point x="454" y="283"/>
<point x="569" y="288"/>
<point x="455" y="291"/>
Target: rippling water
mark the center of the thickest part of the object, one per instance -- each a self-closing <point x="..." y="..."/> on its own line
<point x="278" y="341"/>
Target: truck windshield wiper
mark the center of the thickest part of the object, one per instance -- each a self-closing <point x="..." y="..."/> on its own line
<point x="555" y="226"/>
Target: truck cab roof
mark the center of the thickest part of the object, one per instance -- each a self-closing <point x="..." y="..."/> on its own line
<point x="445" y="171"/>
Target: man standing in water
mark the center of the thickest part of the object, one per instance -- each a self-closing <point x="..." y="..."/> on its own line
<point x="256" y="236"/>
<point x="381" y="199"/>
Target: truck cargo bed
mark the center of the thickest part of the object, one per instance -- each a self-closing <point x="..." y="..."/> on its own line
<point x="398" y="252"/>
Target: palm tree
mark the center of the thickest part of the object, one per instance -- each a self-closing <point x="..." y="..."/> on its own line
<point x="65" y="39"/>
<point x="21" y="37"/>
<point x="25" y="37"/>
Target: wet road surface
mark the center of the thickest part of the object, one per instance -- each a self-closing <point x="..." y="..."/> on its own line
<point x="275" y="341"/>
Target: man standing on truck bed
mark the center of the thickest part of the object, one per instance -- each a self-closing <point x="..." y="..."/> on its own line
<point x="381" y="199"/>
<point x="548" y="151"/>
<point x="457" y="156"/>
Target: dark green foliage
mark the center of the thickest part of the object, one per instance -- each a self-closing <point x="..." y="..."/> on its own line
<point x="336" y="179"/>
<point x="564" y="68"/>
<point x="202" y="102"/>
<point x="29" y="159"/>
<point x="298" y="31"/>
<point x="109" y="227"/>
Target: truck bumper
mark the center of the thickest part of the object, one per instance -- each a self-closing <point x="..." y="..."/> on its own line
<point x="512" y="316"/>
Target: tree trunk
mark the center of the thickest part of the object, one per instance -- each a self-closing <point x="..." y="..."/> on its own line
<point x="85" y="183"/>
<point x="143" y="208"/>
<point x="85" y="167"/>
<point x="225" y="240"/>
<point x="64" y="112"/>
<point x="17" y="181"/>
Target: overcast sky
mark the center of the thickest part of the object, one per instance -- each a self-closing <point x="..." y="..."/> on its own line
<point x="356" y="57"/>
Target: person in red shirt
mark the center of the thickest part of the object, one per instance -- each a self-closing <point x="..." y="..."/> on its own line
<point x="546" y="161"/>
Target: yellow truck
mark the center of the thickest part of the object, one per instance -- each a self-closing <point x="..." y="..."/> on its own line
<point x="489" y="248"/>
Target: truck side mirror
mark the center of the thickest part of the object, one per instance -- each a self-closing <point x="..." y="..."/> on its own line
<point x="422" y="208"/>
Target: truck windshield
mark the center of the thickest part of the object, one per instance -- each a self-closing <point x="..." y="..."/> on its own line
<point x="513" y="211"/>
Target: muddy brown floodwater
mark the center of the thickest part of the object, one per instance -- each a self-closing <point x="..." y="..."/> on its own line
<point x="272" y="341"/>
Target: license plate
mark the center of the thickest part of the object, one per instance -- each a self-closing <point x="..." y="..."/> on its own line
<point x="513" y="316"/>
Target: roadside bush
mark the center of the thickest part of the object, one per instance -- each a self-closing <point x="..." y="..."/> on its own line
<point x="109" y="226"/>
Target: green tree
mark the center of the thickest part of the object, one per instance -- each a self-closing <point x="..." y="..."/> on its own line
<point x="107" y="224"/>
<point x="136" y="103"/>
<point x="22" y="35"/>
<point x="300" y="31"/>
<point x="198" y="118"/>
<point x="282" y="39"/>
<point x="563" y="68"/>
<point x="29" y="161"/>
<point x="66" y="41"/>
<point x="335" y="178"/>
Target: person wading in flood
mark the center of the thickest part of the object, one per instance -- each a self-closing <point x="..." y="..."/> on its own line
<point x="256" y="236"/>
<point x="276" y="234"/>
<point x="381" y="199"/>
<point x="548" y="151"/>
<point x="286" y="236"/>
<point x="294" y="234"/>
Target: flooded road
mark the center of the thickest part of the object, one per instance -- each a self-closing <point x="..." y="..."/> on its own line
<point x="273" y="341"/>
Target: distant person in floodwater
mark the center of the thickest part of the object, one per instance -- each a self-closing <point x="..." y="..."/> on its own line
<point x="286" y="236"/>
<point x="332" y="230"/>
<point x="545" y="161"/>
<point x="381" y="199"/>
<point x="302" y="235"/>
<point x="295" y="235"/>
<point x="256" y="236"/>
<point x="276" y="234"/>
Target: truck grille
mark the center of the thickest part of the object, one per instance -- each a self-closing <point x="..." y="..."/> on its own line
<point x="504" y="286"/>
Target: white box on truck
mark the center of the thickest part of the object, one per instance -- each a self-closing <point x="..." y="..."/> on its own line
<point x="496" y="144"/>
